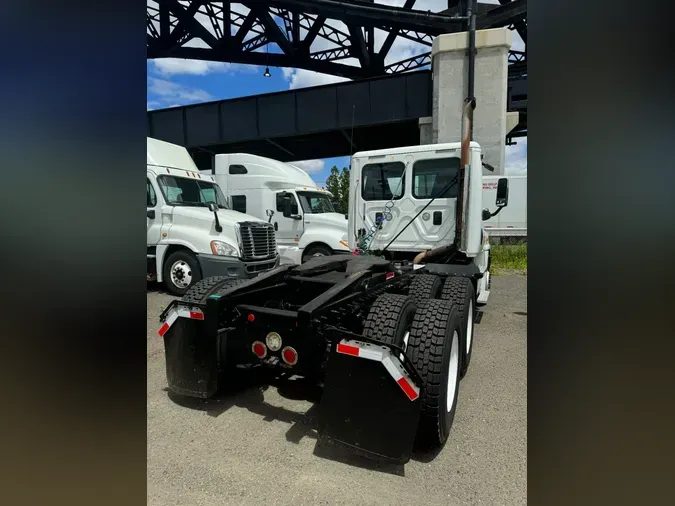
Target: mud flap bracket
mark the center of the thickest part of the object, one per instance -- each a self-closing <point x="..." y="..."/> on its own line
<point x="371" y="399"/>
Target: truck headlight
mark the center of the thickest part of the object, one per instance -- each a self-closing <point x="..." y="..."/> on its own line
<point x="223" y="249"/>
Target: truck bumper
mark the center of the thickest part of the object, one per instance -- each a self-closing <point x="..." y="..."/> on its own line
<point x="213" y="265"/>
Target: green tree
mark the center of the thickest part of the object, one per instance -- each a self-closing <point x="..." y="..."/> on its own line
<point x="344" y="190"/>
<point x="333" y="183"/>
<point x="338" y="184"/>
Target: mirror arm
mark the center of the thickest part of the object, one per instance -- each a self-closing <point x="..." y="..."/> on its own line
<point x="214" y="209"/>
<point x="492" y="215"/>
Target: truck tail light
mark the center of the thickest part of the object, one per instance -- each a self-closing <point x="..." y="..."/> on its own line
<point x="259" y="349"/>
<point x="289" y="355"/>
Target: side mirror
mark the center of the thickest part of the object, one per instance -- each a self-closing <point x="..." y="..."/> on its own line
<point x="213" y="207"/>
<point x="151" y="214"/>
<point x="287" y="207"/>
<point x="502" y="192"/>
<point x="486" y="214"/>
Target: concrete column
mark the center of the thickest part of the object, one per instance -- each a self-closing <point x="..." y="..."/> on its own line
<point x="449" y="71"/>
<point x="426" y="130"/>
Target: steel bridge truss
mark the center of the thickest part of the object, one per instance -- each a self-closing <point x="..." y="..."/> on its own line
<point x="334" y="37"/>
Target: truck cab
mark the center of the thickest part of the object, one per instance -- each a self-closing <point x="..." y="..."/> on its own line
<point x="302" y="214"/>
<point x="191" y="231"/>
<point x="403" y="206"/>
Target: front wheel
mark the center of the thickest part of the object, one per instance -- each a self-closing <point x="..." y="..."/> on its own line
<point x="316" y="251"/>
<point x="181" y="271"/>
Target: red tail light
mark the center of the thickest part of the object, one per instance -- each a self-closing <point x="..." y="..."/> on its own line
<point x="251" y="317"/>
<point x="259" y="349"/>
<point x="289" y="355"/>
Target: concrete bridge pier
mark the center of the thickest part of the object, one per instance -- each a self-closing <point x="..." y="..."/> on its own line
<point x="449" y="84"/>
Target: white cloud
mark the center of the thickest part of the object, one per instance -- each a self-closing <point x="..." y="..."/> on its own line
<point x="301" y="78"/>
<point x="172" y="66"/>
<point x="177" y="66"/>
<point x="169" y="92"/>
<point x="310" y="166"/>
<point x="516" y="158"/>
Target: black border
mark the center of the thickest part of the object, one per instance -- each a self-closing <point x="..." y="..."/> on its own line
<point x="601" y="244"/>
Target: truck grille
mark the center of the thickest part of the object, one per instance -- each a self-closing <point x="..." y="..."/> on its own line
<point x="257" y="241"/>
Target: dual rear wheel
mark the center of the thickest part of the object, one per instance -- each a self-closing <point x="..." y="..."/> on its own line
<point x="433" y="324"/>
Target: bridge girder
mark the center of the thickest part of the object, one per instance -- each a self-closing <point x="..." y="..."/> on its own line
<point x="282" y="33"/>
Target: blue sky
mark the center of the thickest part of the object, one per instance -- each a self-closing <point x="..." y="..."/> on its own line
<point x="174" y="82"/>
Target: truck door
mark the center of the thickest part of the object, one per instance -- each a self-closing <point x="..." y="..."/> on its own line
<point x="288" y="230"/>
<point x="154" y="216"/>
<point x="435" y="177"/>
<point x="399" y="191"/>
<point x="382" y="188"/>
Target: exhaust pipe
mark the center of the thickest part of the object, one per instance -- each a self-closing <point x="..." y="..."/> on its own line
<point x="425" y="255"/>
<point x="467" y="124"/>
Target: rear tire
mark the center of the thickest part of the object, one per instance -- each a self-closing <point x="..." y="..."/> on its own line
<point x="434" y="351"/>
<point x="202" y="290"/>
<point x="181" y="271"/>
<point x="389" y="319"/>
<point x="425" y="286"/>
<point x="461" y="292"/>
<point x="198" y="294"/>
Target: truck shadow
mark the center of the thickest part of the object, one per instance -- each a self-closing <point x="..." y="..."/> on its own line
<point x="248" y="392"/>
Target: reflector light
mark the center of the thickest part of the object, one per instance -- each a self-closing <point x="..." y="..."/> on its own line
<point x="383" y="355"/>
<point x="289" y="355"/>
<point x="259" y="349"/>
<point x="251" y="317"/>
<point x="179" y="312"/>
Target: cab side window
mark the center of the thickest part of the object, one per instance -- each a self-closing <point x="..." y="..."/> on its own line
<point x="152" y="196"/>
<point x="280" y="201"/>
<point x="239" y="203"/>
<point x="238" y="169"/>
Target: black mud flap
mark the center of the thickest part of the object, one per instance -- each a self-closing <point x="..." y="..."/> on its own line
<point x="191" y="351"/>
<point x="371" y="400"/>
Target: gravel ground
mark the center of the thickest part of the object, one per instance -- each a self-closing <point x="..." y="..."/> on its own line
<point x="258" y="446"/>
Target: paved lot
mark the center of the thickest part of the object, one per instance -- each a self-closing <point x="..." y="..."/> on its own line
<point x="258" y="446"/>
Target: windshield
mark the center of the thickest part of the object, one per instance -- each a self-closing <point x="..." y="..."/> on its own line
<point x="183" y="191"/>
<point x="315" y="203"/>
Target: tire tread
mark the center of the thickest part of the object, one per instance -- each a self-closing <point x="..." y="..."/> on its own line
<point x="425" y="351"/>
<point x="383" y="318"/>
<point x="425" y="286"/>
<point x="201" y="290"/>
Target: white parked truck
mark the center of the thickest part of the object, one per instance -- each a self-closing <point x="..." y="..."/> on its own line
<point x="512" y="221"/>
<point x="402" y="205"/>
<point x="283" y="194"/>
<point x="388" y="332"/>
<point x="192" y="234"/>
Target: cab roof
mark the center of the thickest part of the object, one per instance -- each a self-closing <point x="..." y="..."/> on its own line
<point x="424" y="148"/>
<point x="165" y="154"/>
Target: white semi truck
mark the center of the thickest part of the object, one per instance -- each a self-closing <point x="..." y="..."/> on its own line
<point x="387" y="332"/>
<point x="402" y="206"/>
<point x="192" y="234"/>
<point x="512" y="221"/>
<point x="303" y="217"/>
